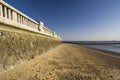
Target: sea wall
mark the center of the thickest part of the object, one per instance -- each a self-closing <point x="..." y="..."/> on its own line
<point x="22" y="38"/>
<point x="18" y="45"/>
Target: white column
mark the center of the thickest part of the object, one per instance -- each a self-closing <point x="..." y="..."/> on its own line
<point x="5" y="13"/>
<point x="14" y="16"/>
<point x="18" y="18"/>
<point x="28" y="22"/>
<point x="1" y="11"/>
<point x="36" y="26"/>
<point x="31" y="24"/>
<point x="40" y="26"/>
<point x="25" y="21"/>
<point x="21" y="19"/>
<point x="9" y="14"/>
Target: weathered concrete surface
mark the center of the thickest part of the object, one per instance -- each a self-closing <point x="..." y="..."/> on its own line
<point x="17" y="46"/>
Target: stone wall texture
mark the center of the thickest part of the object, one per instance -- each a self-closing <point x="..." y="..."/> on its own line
<point x="18" y="46"/>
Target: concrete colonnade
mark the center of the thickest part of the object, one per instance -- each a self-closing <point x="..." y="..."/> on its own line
<point x="8" y="13"/>
<point x="18" y="18"/>
<point x="5" y="12"/>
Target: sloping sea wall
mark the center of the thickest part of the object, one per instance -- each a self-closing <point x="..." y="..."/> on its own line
<point x="18" y="46"/>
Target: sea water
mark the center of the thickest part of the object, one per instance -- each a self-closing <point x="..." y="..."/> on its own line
<point x="109" y="47"/>
<point x="104" y="45"/>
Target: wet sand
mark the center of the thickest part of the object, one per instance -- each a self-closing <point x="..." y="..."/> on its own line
<point x="68" y="62"/>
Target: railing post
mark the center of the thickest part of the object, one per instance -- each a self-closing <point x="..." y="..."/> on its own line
<point x="24" y="20"/>
<point x="5" y="12"/>
<point x="9" y="14"/>
<point x="40" y="26"/>
<point x="17" y="17"/>
<point x="1" y="11"/>
<point x="21" y="19"/>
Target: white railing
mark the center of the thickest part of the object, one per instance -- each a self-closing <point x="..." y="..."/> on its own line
<point x="11" y="16"/>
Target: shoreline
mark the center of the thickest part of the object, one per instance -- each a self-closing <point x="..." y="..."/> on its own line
<point x="102" y="50"/>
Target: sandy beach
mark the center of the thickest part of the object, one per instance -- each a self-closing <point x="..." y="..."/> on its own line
<point x="68" y="62"/>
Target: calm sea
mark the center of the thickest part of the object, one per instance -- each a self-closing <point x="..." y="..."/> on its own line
<point x="104" y="45"/>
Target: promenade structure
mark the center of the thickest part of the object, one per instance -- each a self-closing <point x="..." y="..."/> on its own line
<point x="13" y="17"/>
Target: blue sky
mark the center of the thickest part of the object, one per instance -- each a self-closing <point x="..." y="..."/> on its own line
<point x="75" y="19"/>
